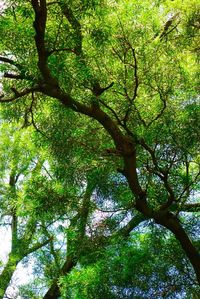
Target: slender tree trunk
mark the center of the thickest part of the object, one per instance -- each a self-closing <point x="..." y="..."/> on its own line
<point x="7" y="273"/>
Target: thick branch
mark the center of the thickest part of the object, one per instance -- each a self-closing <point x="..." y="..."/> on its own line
<point x="169" y="221"/>
<point x="39" y="24"/>
<point x="7" y="273"/>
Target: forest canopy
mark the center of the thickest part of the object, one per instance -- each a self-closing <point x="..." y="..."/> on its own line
<point x="99" y="148"/>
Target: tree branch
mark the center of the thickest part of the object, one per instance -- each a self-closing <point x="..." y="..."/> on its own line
<point x="39" y="24"/>
<point x="68" y="13"/>
<point x="193" y="207"/>
<point x="133" y="223"/>
<point x="161" y="111"/>
<point x="10" y="61"/>
<point x="18" y="94"/>
<point x="38" y="246"/>
<point x="168" y="25"/>
<point x="136" y="84"/>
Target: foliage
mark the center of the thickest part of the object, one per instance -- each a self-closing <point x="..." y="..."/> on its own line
<point x="100" y="130"/>
<point x="142" y="267"/>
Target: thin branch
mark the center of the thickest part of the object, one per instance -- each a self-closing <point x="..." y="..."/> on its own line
<point x="20" y="76"/>
<point x="61" y="50"/>
<point x="38" y="245"/>
<point x="32" y="117"/>
<point x="162" y="173"/>
<point x="115" y="210"/>
<point x="152" y="154"/>
<point x="167" y="33"/>
<point x="18" y="94"/>
<point x="167" y="25"/>
<point x="53" y="2"/>
<point x="112" y="110"/>
<point x="20" y="67"/>
<point x="10" y="61"/>
<point x="193" y="207"/>
<point x="13" y="76"/>
<point x="52" y="249"/>
<point x="58" y="31"/>
<point x="68" y="13"/>
<point x="133" y="223"/>
<point x="135" y="75"/>
<point x="136" y="85"/>
<point x="169" y="189"/>
<point x="28" y="233"/>
<point x="139" y="116"/>
<point x="118" y="55"/>
<point x="186" y="189"/>
<point x="161" y="112"/>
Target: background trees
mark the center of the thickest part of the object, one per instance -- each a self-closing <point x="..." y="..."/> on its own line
<point x="112" y="91"/>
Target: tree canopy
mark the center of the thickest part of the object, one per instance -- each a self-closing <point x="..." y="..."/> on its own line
<point x="99" y="150"/>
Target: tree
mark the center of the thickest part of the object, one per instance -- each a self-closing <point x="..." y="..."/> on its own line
<point x="16" y="207"/>
<point x="42" y="205"/>
<point x="131" y="71"/>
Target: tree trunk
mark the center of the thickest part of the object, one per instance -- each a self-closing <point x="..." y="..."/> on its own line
<point x="7" y="273"/>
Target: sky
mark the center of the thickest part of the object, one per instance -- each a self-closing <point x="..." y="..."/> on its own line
<point x="2" y="5"/>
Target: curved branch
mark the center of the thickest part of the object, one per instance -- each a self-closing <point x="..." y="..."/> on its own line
<point x="161" y="111"/>
<point x="171" y="222"/>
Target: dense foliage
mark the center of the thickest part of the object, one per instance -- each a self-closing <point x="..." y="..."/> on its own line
<point x="99" y="150"/>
